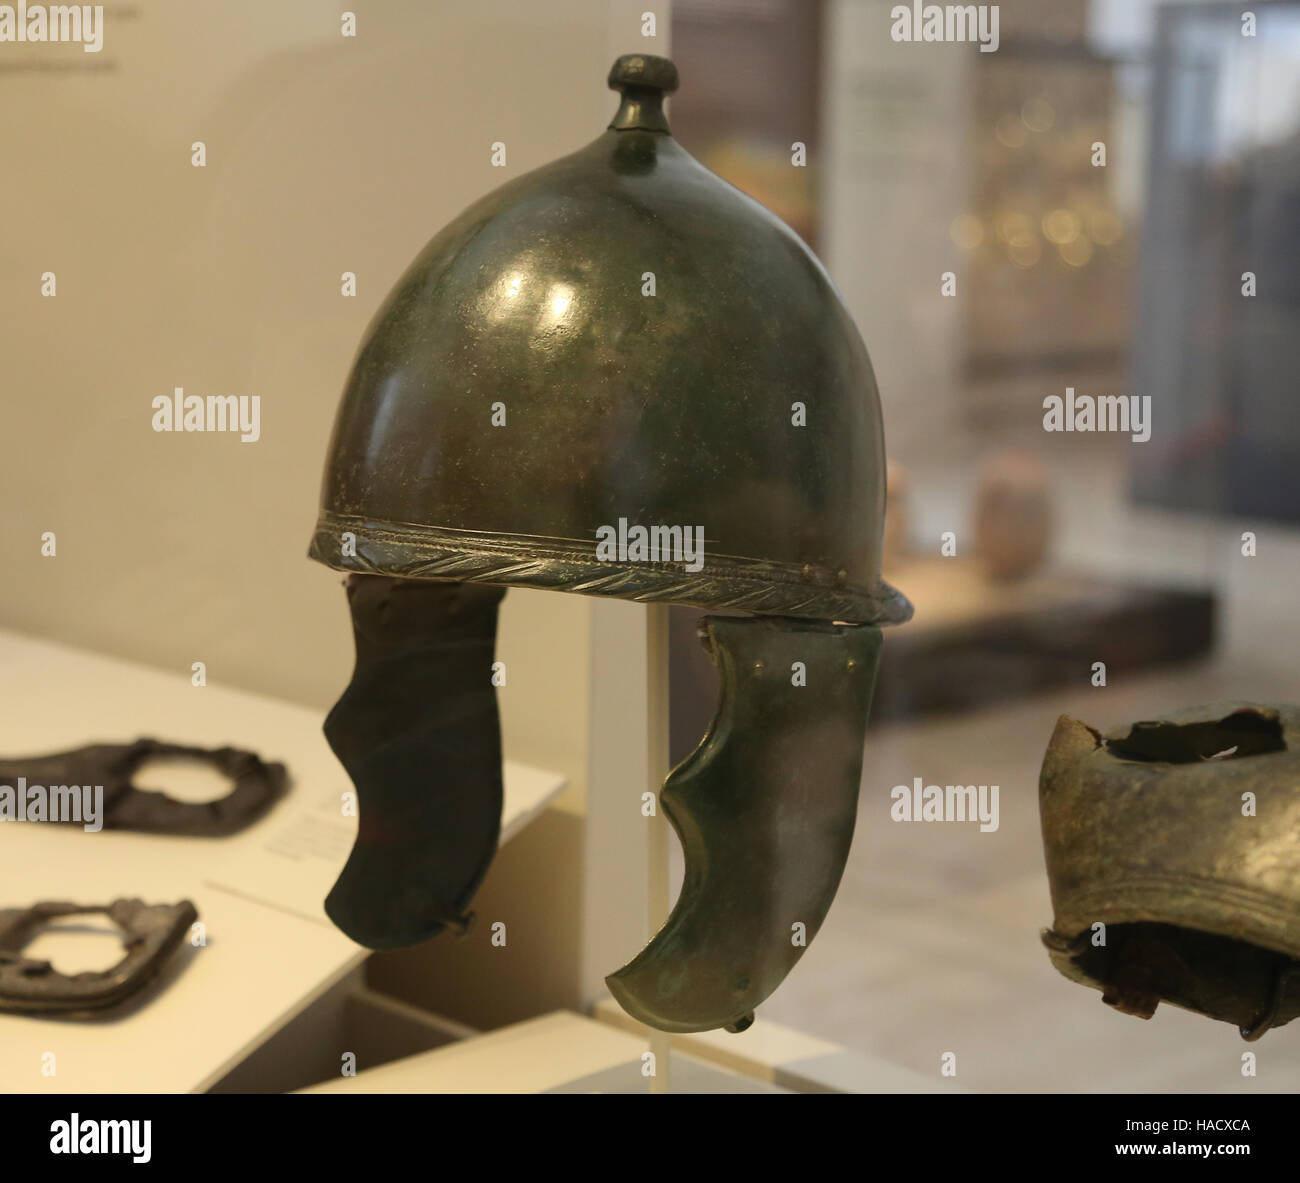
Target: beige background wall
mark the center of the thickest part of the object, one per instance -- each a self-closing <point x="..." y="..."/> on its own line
<point x="325" y="154"/>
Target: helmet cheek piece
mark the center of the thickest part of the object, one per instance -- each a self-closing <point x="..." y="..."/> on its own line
<point x="765" y="808"/>
<point x="151" y="933"/>
<point x="1173" y="872"/>
<point x="418" y="732"/>
<point x="255" y="786"/>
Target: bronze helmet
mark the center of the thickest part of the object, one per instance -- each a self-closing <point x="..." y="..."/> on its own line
<point x="1173" y="865"/>
<point x="616" y="375"/>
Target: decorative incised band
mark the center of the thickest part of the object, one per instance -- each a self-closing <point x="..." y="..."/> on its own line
<point x="409" y="551"/>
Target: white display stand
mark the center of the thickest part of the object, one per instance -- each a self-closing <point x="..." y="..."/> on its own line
<point x="779" y="1055"/>
<point x="270" y="950"/>
<point x="627" y="893"/>
<point x="556" y="1053"/>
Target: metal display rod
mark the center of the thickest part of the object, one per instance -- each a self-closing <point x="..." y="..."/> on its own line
<point x="658" y="893"/>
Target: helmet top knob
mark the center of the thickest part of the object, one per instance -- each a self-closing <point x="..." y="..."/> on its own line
<point x="643" y="80"/>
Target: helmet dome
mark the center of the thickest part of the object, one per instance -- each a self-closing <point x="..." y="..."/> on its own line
<point x="617" y="342"/>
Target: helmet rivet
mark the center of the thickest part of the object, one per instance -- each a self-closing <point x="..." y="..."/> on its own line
<point x="841" y="575"/>
<point x="758" y="667"/>
<point x="807" y="571"/>
<point x="852" y="665"/>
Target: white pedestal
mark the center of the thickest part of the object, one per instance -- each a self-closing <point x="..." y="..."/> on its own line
<point x="558" y="1053"/>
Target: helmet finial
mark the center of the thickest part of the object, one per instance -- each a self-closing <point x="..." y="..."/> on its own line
<point x="644" y="80"/>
